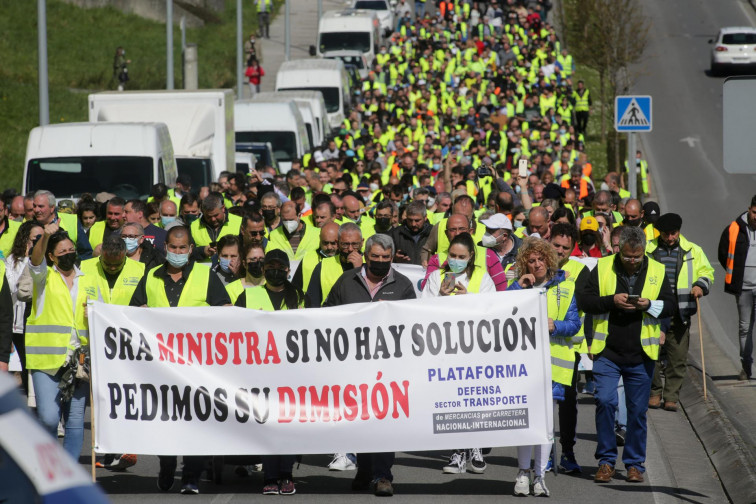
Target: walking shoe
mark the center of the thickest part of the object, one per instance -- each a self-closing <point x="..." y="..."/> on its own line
<point x="123" y="462"/>
<point x="743" y="376"/>
<point x="166" y="478"/>
<point x="604" y="474"/>
<point x="477" y="464"/>
<point x="670" y="406"/>
<point x="634" y="475"/>
<point x="190" y="487"/>
<point x="568" y="464"/>
<point x="457" y="463"/>
<point x="654" y="402"/>
<point x="550" y="463"/>
<point x="270" y="488"/>
<point x="620" y="434"/>
<point x="539" y="487"/>
<point x="589" y="388"/>
<point x="383" y="488"/>
<point x="522" y="483"/>
<point x="286" y="487"/>
<point x="341" y="462"/>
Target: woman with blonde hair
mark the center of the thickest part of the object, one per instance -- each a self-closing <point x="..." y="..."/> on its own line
<point x="537" y="266"/>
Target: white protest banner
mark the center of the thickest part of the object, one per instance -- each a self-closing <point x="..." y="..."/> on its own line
<point x="421" y="374"/>
<point x="414" y="272"/>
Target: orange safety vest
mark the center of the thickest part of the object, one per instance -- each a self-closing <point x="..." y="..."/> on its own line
<point x="733" y="232"/>
<point x="583" y="187"/>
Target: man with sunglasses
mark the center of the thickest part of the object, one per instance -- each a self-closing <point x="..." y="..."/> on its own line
<point x="253" y="231"/>
<point x="627" y="294"/>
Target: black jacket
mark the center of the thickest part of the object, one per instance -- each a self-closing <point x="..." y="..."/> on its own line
<point x="351" y="288"/>
<point x="623" y="344"/>
<point x="150" y="256"/>
<point x="741" y="251"/>
<point x="6" y="320"/>
<point x="404" y="241"/>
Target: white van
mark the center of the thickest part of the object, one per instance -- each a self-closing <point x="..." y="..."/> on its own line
<point x="324" y="75"/>
<point x="279" y="123"/>
<point x="200" y="123"/>
<point x="318" y="108"/>
<point x="125" y="159"/>
<point x="350" y="30"/>
<point x="304" y="108"/>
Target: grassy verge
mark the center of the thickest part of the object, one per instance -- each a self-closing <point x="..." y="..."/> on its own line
<point x="81" y="46"/>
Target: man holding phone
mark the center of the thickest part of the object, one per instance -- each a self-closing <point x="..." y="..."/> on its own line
<point x="627" y="294"/>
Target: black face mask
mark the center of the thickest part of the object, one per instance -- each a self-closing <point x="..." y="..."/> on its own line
<point x="632" y="222"/>
<point x="269" y="215"/>
<point x="275" y="277"/>
<point x="255" y="268"/>
<point x="588" y="239"/>
<point x="383" y="222"/>
<point x="189" y="218"/>
<point x="66" y="261"/>
<point x="379" y="268"/>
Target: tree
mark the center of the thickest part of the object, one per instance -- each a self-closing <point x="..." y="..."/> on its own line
<point x="608" y="36"/>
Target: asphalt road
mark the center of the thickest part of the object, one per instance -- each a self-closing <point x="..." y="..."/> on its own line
<point x="685" y="148"/>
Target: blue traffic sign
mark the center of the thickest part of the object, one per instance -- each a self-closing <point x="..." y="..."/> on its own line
<point x="632" y="113"/>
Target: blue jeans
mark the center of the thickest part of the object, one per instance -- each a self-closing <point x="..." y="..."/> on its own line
<point x="375" y="466"/>
<point x="637" y="380"/>
<point x="49" y="409"/>
<point x="621" y="406"/>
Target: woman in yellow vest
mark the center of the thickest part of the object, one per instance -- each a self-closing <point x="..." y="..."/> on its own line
<point x="252" y="269"/>
<point x="55" y="330"/>
<point x="537" y="266"/>
<point x="277" y="294"/>
<point x="461" y="275"/>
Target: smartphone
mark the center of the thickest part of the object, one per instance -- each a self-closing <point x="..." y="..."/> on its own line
<point x="522" y="164"/>
<point x="213" y="244"/>
<point x="449" y="282"/>
<point x="633" y="298"/>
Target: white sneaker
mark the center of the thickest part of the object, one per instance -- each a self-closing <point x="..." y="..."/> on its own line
<point x="341" y="462"/>
<point x="457" y="463"/>
<point x="477" y="463"/>
<point x="522" y="483"/>
<point x="539" y="487"/>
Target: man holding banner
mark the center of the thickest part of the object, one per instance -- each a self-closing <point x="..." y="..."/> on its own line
<point x="375" y="281"/>
<point x="180" y="282"/>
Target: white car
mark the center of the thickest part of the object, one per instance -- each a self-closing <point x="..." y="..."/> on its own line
<point x="382" y="8"/>
<point x="733" y="46"/>
<point x="355" y="58"/>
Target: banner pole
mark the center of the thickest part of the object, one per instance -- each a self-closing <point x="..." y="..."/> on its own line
<point x="92" y="429"/>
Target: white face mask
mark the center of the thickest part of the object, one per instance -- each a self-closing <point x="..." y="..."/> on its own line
<point x="291" y="225"/>
<point x="604" y="186"/>
<point x="431" y="202"/>
<point x="489" y="240"/>
<point x="374" y="187"/>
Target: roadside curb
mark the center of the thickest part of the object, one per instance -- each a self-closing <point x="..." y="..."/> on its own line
<point x="735" y="466"/>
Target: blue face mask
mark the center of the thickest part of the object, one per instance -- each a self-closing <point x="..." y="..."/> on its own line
<point x="177" y="260"/>
<point x="189" y="218"/>
<point x="225" y="264"/>
<point x="167" y="220"/>
<point x="457" y="265"/>
<point x="131" y="244"/>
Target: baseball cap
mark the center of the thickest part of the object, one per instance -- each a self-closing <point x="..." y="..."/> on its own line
<point x="497" y="221"/>
<point x="277" y="255"/>
<point x="589" y="224"/>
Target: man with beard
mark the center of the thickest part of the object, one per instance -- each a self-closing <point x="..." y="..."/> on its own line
<point x="410" y="237"/>
<point x="330" y="269"/>
<point x="329" y="247"/>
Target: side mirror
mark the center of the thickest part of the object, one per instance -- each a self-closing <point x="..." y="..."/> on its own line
<point x="313" y="51"/>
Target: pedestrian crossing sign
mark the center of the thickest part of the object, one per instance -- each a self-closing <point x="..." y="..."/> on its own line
<point x="632" y="113"/>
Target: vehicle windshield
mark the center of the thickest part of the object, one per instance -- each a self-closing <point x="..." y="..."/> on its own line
<point x="345" y="41"/>
<point x="284" y="142"/>
<point x="350" y="60"/>
<point x="260" y="151"/>
<point x="371" y="5"/>
<point x="199" y="170"/>
<point x="125" y="176"/>
<point x="330" y="95"/>
<point x="739" y="38"/>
